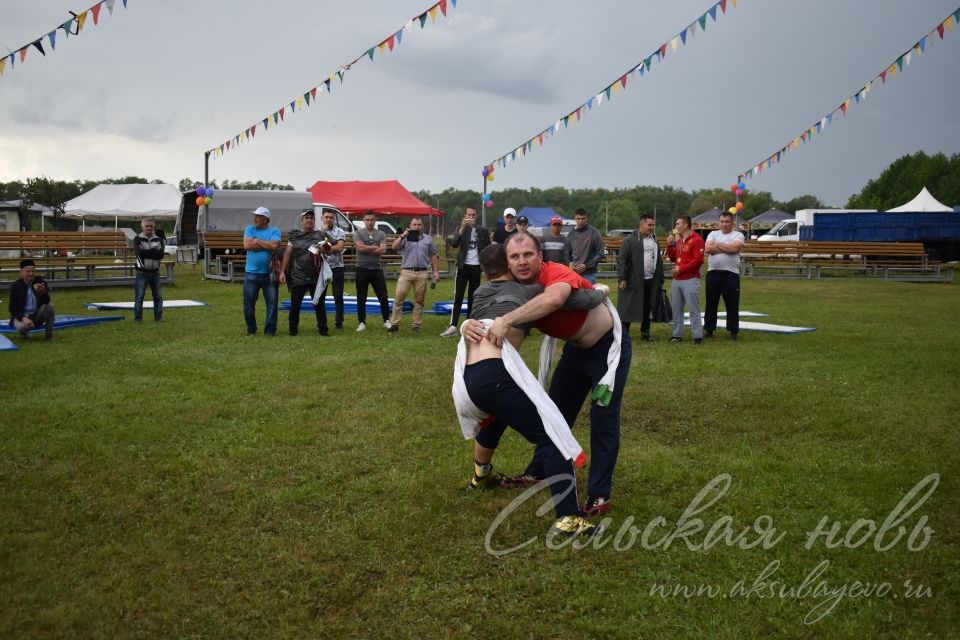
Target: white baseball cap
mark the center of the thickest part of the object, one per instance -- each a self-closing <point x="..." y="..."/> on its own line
<point x="262" y="211"/>
<point x="509" y="211"/>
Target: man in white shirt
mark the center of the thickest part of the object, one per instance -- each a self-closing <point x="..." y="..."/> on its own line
<point x="723" y="276"/>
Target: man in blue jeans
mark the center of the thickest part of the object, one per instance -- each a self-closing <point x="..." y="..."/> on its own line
<point x="149" y="248"/>
<point x="260" y="240"/>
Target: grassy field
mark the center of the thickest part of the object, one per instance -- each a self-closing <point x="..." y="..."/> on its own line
<point x="182" y="480"/>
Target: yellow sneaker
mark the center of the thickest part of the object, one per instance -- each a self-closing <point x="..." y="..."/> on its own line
<point x="573" y="526"/>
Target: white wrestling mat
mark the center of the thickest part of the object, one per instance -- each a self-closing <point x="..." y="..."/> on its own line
<point x="743" y="314"/>
<point x="760" y="326"/>
<point x="147" y="304"/>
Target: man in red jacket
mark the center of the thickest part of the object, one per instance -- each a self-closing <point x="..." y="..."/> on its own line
<point x="685" y="249"/>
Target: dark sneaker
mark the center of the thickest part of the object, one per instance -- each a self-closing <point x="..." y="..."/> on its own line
<point x="572" y="527"/>
<point x="520" y="482"/>
<point x="733" y="337"/>
<point x="393" y="328"/>
<point x="708" y="334"/>
<point x="325" y="333"/>
<point x="698" y="341"/>
<point x="492" y="480"/>
<point x="596" y="506"/>
<point x="646" y="337"/>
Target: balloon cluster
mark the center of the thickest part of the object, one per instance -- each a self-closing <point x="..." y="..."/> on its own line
<point x="739" y="190"/>
<point x="204" y="195"/>
<point x="487" y="173"/>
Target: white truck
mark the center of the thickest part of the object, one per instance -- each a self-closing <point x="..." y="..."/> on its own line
<point x="789" y="230"/>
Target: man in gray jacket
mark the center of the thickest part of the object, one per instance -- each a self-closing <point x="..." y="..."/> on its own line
<point x="149" y="248"/>
<point x="640" y="272"/>
<point x="584" y="249"/>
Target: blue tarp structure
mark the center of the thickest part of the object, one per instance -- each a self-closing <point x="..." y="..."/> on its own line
<point x="66" y="322"/>
<point x="349" y="305"/>
<point x="538" y="216"/>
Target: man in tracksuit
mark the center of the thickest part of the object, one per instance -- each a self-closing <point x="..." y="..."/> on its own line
<point x="148" y="247"/>
<point x="685" y="249"/>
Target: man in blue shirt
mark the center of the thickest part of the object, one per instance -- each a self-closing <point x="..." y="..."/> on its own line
<point x="260" y="241"/>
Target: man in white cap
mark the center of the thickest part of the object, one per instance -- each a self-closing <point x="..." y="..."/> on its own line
<point x="509" y="226"/>
<point x="260" y="241"/>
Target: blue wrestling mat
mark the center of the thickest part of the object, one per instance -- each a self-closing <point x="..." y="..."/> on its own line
<point x="445" y="308"/>
<point x="349" y="305"/>
<point x="6" y="345"/>
<point x="66" y="322"/>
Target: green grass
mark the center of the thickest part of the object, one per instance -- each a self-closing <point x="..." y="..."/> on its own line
<point x="182" y="480"/>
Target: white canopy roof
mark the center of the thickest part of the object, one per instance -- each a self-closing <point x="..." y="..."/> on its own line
<point x="923" y="202"/>
<point x="127" y="201"/>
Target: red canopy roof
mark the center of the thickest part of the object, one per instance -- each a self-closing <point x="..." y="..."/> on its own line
<point x="386" y="197"/>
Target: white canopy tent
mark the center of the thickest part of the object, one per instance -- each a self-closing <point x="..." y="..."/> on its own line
<point x="924" y="202"/>
<point x="125" y="202"/>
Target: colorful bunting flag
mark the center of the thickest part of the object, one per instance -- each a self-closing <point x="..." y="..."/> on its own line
<point x="889" y="71"/>
<point x="78" y="20"/>
<point x="389" y="43"/>
<point x="612" y="88"/>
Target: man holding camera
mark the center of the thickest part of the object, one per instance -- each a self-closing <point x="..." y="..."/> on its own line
<point x="30" y="306"/>
<point x="419" y="254"/>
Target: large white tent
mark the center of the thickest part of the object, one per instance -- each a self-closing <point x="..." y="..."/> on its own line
<point x="126" y="202"/>
<point x="924" y="202"/>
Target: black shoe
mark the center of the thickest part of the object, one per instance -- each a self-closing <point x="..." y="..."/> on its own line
<point x="393" y="328"/>
<point x="325" y="333"/>
<point x="675" y="340"/>
<point x="733" y="337"/>
<point x="646" y="337"/>
<point x="293" y="334"/>
<point x="708" y="334"/>
<point x="698" y="341"/>
<point x="338" y="327"/>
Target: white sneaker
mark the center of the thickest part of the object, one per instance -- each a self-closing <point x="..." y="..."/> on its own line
<point x="361" y="327"/>
<point x="450" y="332"/>
<point x="387" y="324"/>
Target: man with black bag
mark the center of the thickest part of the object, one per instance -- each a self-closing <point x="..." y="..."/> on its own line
<point x="640" y="272"/>
<point x="299" y="269"/>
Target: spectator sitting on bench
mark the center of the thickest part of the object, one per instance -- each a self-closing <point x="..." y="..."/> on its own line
<point x="30" y="306"/>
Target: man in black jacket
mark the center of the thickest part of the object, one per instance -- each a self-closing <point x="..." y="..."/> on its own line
<point x="30" y="306"/>
<point x="149" y="248"/>
<point x="471" y="240"/>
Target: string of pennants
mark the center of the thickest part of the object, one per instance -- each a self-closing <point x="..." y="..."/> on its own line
<point x="620" y="84"/>
<point x="305" y="99"/>
<point x="71" y="27"/>
<point x="889" y="73"/>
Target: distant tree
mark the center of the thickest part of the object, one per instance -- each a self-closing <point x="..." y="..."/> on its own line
<point x="707" y="199"/>
<point x="906" y="176"/>
<point x="259" y="185"/>
<point x="51" y="193"/>
<point x="800" y="202"/>
<point x="11" y="190"/>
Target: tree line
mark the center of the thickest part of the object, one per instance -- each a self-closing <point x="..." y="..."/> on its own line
<point x="609" y="208"/>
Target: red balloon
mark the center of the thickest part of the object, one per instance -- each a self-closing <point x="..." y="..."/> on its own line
<point x="733" y="188"/>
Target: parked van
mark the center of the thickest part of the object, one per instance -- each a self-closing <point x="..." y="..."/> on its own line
<point x="383" y="225"/>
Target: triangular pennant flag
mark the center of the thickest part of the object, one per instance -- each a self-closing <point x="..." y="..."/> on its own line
<point x="423" y="19"/>
<point x="340" y="75"/>
<point x="692" y="28"/>
<point x="110" y="10"/>
<point x="253" y="130"/>
<point x="23" y="54"/>
<point x="623" y="81"/>
<point x="369" y="53"/>
<point x="683" y="36"/>
<point x="382" y="46"/>
<point x="276" y="117"/>
<point x="646" y="63"/>
<point x="433" y="14"/>
<point x="454" y="3"/>
<point x="3" y="64"/>
<point x="599" y="98"/>
<point x="66" y="26"/>
<point x="900" y="63"/>
<point x="703" y="22"/>
<point x="892" y="71"/>
<point x="300" y="102"/>
<point x="221" y="149"/>
<point x="723" y="6"/>
<point x="247" y="133"/>
<point x="124" y="4"/>
<point x="675" y="43"/>
<point x="949" y="23"/>
<point x="293" y="107"/>
<point x="590" y="103"/>
<point x="80" y="20"/>
<point x="663" y="51"/>
<point x="616" y="87"/>
<point x="883" y="76"/>
<point x="907" y="56"/>
<point x="566" y="123"/>
<point x="734" y="3"/>
<point x="39" y="46"/>
<point x="830" y="118"/>
<point x="53" y="40"/>
<point x="95" y="9"/>
<point x="399" y="35"/>
<point x="940" y="30"/>
<point x="281" y="112"/>
<point x="443" y="7"/>
<point x="713" y="12"/>
<point x="327" y="82"/>
<point x="313" y="93"/>
<point x="607" y="91"/>
<point x="856" y="97"/>
<point x="306" y="98"/>
<point x="923" y="43"/>
<point x="390" y="42"/>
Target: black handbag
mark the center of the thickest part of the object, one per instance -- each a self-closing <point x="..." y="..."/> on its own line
<point x="662" y="311"/>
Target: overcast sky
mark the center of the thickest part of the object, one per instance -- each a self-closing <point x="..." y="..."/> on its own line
<point x="149" y="89"/>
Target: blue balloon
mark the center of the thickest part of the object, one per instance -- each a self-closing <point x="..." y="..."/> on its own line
<point x="742" y="186"/>
<point x="486" y="197"/>
<point x="209" y="192"/>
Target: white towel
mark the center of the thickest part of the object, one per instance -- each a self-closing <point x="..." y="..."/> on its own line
<point x="471" y="417"/>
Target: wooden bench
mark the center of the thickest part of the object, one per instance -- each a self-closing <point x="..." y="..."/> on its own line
<point x="814" y="259"/>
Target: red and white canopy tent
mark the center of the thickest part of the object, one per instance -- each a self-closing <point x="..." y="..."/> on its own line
<point x="383" y="197"/>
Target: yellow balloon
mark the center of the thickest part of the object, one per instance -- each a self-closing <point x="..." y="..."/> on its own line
<point x="490" y="177"/>
<point x="732" y="210"/>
